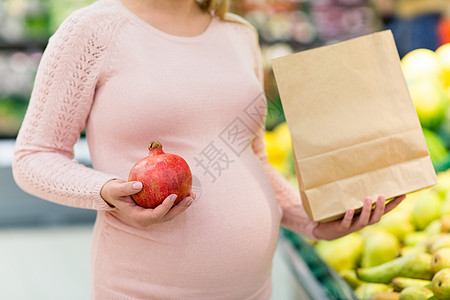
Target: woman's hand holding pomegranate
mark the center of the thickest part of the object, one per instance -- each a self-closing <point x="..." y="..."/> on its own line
<point x="117" y="193"/>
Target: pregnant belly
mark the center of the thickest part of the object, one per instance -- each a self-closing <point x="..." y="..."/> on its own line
<point x="222" y="245"/>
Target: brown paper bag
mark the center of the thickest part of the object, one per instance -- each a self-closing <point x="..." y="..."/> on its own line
<point x="354" y="129"/>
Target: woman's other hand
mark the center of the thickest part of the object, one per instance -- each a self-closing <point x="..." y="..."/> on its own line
<point x="117" y="193"/>
<point x="350" y="223"/>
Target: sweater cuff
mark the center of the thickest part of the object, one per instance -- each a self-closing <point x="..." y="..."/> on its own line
<point x="99" y="203"/>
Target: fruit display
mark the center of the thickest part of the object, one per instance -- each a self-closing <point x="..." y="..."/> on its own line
<point x="427" y="74"/>
<point x="404" y="256"/>
<point x="161" y="174"/>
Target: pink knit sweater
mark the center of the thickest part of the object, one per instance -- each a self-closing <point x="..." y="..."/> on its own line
<point x="128" y="83"/>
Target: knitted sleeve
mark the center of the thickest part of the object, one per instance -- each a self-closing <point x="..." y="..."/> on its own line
<point x="58" y="109"/>
<point x="288" y="197"/>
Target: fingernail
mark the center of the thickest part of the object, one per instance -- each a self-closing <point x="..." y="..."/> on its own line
<point x="137" y="185"/>
<point x="174" y="197"/>
<point x="190" y="202"/>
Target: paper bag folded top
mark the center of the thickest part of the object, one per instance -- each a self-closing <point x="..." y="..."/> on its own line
<point x="354" y="129"/>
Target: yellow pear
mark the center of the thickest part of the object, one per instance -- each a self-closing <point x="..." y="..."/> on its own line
<point x="401" y="283"/>
<point x="422" y="64"/>
<point x="283" y="135"/>
<point x="434" y="228"/>
<point x="351" y="278"/>
<point x="440" y="260"/>
<point x="398" y="223"/>
<point x="415" y="293"/>
<point x="414" y="238"/>
<point x="440" y="285"/>
<point x="418" y="248"/>
<point x="379" y="247"/>
<point x="439" y="242"/>
<point x="426" y="209"/>
<point x="275" y="154"/>
<point x="443" y="183"/>
<point x="343" y="253"/>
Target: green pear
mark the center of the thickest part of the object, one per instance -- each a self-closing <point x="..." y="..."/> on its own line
<point x="415" y="293"/>
<point x="416" y="265"/>
<point x="440" y="260"/>
<point x="415" y="237"/>
<point x="379" y="247"/>
<point x="366" y="290"/>
<point x="351" y="278"/>
<point x="385" y="296"/>
<point x="400" y="283"/>
<point x="440" y="285"/>
<point x="418" y="248"/>
<point x="398" y="223"/>
<point x="443" y="184"/>
<point x="434" y="228"/>
<point x="441" y="241"/>
<point x="426" y="209"/>
<point x="343" y="253"/>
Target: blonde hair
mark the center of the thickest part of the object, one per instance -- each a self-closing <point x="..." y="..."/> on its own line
<point x="218" y="7"/>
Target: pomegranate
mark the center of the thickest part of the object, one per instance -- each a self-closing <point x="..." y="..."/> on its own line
<point x="161" y="174"/>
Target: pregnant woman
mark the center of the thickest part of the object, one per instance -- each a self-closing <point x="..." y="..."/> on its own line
<point x="188" y="74"/>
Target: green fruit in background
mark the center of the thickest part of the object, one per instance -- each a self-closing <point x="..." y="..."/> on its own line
<point x="436" y="147"/>
<point x="423" y="64"/>
<point x="440" y="285"/>
<point x="418" y="248"/>
<point x="430" y="101"/>
<point x="426" y="209"/>
<point x="414" y="238"/>
<point x="385" y="296"/>
<point x="443" y="183"/>
<point x="440" y="260"/>
<point x="400" y="283"/>
<point x="434" y="228"/>
<point x="351" y="278"/>
<point x="439" y="242"/>
<point x="398" y="223"/>
<point x="366" y="290"/>
<point x="379" y="247"/>
<point x="343" y="253"/>
<point x="412" y="266"/>
<point x="415" y="293"/>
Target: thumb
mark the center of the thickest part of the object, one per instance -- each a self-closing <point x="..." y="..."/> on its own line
<point x="135" y="187"/>
<point x="127" y="188"/>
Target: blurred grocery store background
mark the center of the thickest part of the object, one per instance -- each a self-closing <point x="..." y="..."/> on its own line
<point x="44" y="247"/>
